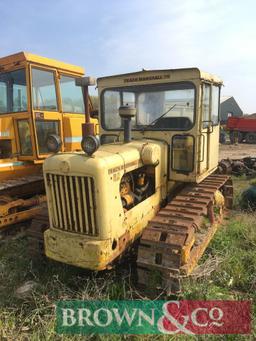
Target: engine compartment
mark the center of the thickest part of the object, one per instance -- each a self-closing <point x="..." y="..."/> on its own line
<point x="136" y="186"/>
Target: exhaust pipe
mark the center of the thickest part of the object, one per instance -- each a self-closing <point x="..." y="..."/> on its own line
<point x="127" y="112"/>
<point x="84" y="83"/>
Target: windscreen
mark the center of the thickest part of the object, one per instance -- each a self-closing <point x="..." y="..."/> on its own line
<point x="162" y="107"/>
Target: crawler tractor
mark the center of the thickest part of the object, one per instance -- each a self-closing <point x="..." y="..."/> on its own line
<point x="150" y="177"/>
<point x="38" y="97"/>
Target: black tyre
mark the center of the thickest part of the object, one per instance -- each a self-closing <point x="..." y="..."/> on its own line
<point x="240" y="137"/>
<point x="250" y="138"/>
<point x="232" y="137"/>
<point x="222" y="137"/>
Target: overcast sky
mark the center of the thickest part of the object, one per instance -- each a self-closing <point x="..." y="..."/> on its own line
<point x="111" y="36"/>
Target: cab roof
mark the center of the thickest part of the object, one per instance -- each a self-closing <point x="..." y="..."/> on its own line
<point x="158" y="76"/>
<point x="22" y="58"/>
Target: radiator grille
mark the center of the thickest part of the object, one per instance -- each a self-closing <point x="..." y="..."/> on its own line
<point x="73" y="205"/>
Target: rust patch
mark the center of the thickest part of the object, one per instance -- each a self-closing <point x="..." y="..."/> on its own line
<point x="123" y="241"/>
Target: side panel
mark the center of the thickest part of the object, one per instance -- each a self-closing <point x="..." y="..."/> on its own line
<point x="7" y="135"/>
<point x="72" y="131"/>
<point x="213" y="147"/>
<point x="209" y="135"/>
<point x="184" y="148"/>
<point x="241" y="124"/>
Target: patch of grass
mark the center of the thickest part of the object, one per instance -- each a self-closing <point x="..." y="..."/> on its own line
<point x="240" y="184"/>
<point x="33" y="314"/>
<point x="229" y="272"/>
<point x="234" y="277"/>
<point x="235" y="244"/>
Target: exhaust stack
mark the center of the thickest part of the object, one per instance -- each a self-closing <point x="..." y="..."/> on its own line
<point x="127" y="112"/>
<point x="84" y="83"/>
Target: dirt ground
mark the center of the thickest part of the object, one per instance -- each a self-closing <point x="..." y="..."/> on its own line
<point x="236" y="151"/>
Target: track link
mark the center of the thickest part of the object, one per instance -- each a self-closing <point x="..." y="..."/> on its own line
<point x="177" y="236"/>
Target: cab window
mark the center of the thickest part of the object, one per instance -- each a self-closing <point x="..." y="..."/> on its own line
<point x="215" y="104"/>
<point x="162" y="107"/>
<point x="43" y="130"/>
<point x="211" y="98"/>
<point x="206" y="105"/>
<point x="25" y="138"/>
<point x="13" y="92"/>
<point x="44" y="90"/>
<point x="71" y="95"/>
<point x="112" y="102"/>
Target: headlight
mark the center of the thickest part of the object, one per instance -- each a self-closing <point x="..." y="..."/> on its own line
<point x="53" y="143"/>
<point x="90" y="144"/>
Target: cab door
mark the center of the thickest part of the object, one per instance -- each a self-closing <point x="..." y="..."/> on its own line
<point x="73" y="108"/>
<point x="19" y="98"/>
<point x="46" y="111"/>
<point x="209" y="135"/>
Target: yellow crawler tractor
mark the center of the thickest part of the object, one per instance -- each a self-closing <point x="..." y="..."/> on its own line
<point x="150" y="177"/>
<point x="38" y="98"/>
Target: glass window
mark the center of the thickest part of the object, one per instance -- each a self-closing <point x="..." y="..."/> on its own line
<point x="44" y="91"/>
<point x="112" y="102"/>
<point x="25" y="137"/>
<point x="3" y="97"/>
<point x="182" y="153"/>
<point x="72" y="96"/>
<point x="215" y="104"/>
<point x="168" y="107"/>
<point x="206" y="105"/>
<point x="13" y="92"/>
<point x="43" y="130"/>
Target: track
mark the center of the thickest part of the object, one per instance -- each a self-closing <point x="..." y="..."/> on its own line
<point x="20" y="200"/>
<point x="22" y="187"/>
<point x="176" y="238"/>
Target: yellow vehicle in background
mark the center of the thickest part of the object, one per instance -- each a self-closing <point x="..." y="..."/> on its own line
<point x="38" y="98"/>
<point x="152" y="178"/>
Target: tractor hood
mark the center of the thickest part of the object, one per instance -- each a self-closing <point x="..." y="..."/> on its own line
<point x="109" y="158"/>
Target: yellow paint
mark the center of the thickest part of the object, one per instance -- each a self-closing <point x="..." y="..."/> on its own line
<point x="15" y="218"/>
<point x="69" y="123"/>
<point x="117" y="228"/>
<point x="25" y="57"/>
<point x="18" y="171"/>
<point x="185" y="252"/>
<point x="13" y="164"/>
<point x="219" y="199"/>
<point x="87" y="252"/>
<point x="111" y="226"/>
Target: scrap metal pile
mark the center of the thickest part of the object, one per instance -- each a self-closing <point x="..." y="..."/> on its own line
<point x="238" y="167"/>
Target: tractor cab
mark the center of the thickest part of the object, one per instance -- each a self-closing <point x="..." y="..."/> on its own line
<point x="179" y="107"/>
<point x="38" y="98"/>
